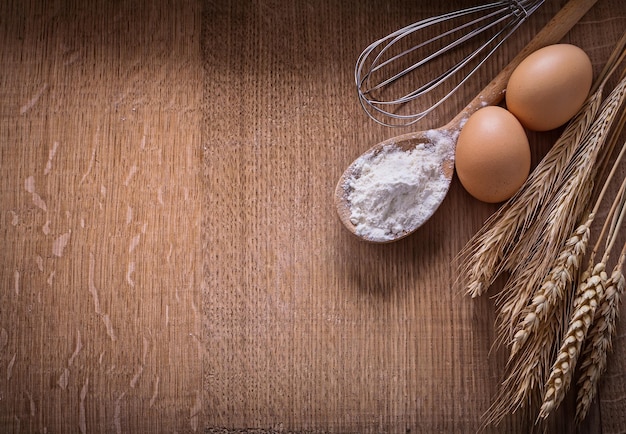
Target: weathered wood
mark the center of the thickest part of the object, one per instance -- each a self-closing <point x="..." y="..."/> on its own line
<point x="101" y="203"/>
<point x="172" y="259"/>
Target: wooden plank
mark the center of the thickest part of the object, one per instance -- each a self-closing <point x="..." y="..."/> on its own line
<point x="172" y="261"/>
<point x="306" y="327"/>
<point x="101" y="206"/>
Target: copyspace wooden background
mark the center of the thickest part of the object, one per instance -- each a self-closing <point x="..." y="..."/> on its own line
<point x="309" y="328"/>
<point x="101" y="201"/>
<point x="171" y="260"/>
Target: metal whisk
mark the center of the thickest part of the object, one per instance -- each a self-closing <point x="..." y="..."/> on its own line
<point x="400" y="74"/>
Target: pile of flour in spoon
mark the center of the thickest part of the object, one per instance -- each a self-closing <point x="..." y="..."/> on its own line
<point x="393" y="191"/>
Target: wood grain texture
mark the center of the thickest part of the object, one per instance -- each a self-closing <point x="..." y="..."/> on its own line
<point x="307" y="328"/>
<point x="101" y="205"/>
<point x="171" y="259"/>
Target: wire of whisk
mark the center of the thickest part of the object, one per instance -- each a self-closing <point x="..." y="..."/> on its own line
<point x="502" y="17"/>
<point x="401" y="33"/>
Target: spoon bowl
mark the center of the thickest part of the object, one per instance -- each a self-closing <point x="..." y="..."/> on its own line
<point x="492" y="94"/>
<point x="406" y="142"/>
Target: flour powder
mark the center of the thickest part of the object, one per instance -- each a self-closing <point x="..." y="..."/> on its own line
<point x="393" y="191"/>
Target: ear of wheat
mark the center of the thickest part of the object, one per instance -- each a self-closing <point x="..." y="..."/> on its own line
<point x="588" y="296"/>
<point x="543" y="243"/>
<point x="551" y="294"/>
<point x="593" y="319"/>
<point x="545" y="310"/>
<point x="594" y="356"/>
<point x="482" y="258"/>
<point x="553" y="291"/>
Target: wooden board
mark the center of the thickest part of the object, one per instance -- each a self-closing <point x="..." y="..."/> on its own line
<point x="172" y="261"/>
<point x="101" y="206"/>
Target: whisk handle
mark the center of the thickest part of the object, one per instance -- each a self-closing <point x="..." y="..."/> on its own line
<point x="551" y="33"/>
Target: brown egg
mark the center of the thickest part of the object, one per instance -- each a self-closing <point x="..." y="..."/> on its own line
<point x="549" y="86"/>
<point x="492" y="155"/>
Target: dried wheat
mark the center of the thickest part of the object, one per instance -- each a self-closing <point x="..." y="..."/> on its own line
<point x="481" y="259"/>
<point x="587" y="296"/>
<point x="597" y="288"/>
<point x="534" y="255"/>
<point x="534" y="236"/>
<point x="551" y="294"/>
<point x="601" y="333"/>
<point x="593" y="358"/>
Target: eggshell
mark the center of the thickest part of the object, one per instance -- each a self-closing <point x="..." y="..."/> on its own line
<point x="492" y="155"/>
<point x="549" y="87"/>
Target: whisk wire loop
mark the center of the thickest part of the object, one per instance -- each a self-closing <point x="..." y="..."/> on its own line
<point x="387" y="62"/>
<point x="518" y="9"/>
<point x="455" y="43"/>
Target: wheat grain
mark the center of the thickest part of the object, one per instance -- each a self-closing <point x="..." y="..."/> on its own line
<point x="593" y="358"/>
<point x="601" y="332"/>
<point x="534" y="255"/>
<point x="532" y="362"/>
<point x="551" y="294"/>
<point x="481" y="258"/>
<point x="588" y="294"/>
<point x="525" y="237"/>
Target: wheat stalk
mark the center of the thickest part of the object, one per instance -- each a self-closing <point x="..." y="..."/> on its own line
<point x="534" y="255"/>
<point x="552" y="293"/>
<point x="588" y="295"/>
<point x="482" y="257"/>
<point x="529" y="230"/>
<point x="527" y="371"/>
<point x="543" y="247"/>
<point x="594" y="295"/>
<point x="594" y="355"/>
<point x="601" y="333"/>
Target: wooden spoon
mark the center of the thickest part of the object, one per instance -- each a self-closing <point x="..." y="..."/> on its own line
<point x="492" y="94"/>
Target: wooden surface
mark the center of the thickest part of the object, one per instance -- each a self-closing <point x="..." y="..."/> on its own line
<point x="172" y="261"/>
<point x="101" y="209"/>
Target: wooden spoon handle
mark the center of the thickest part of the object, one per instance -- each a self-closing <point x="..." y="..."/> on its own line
<point x="550" y="34"/>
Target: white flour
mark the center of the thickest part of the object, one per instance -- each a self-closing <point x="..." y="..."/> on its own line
<point x="394" y="191"/>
